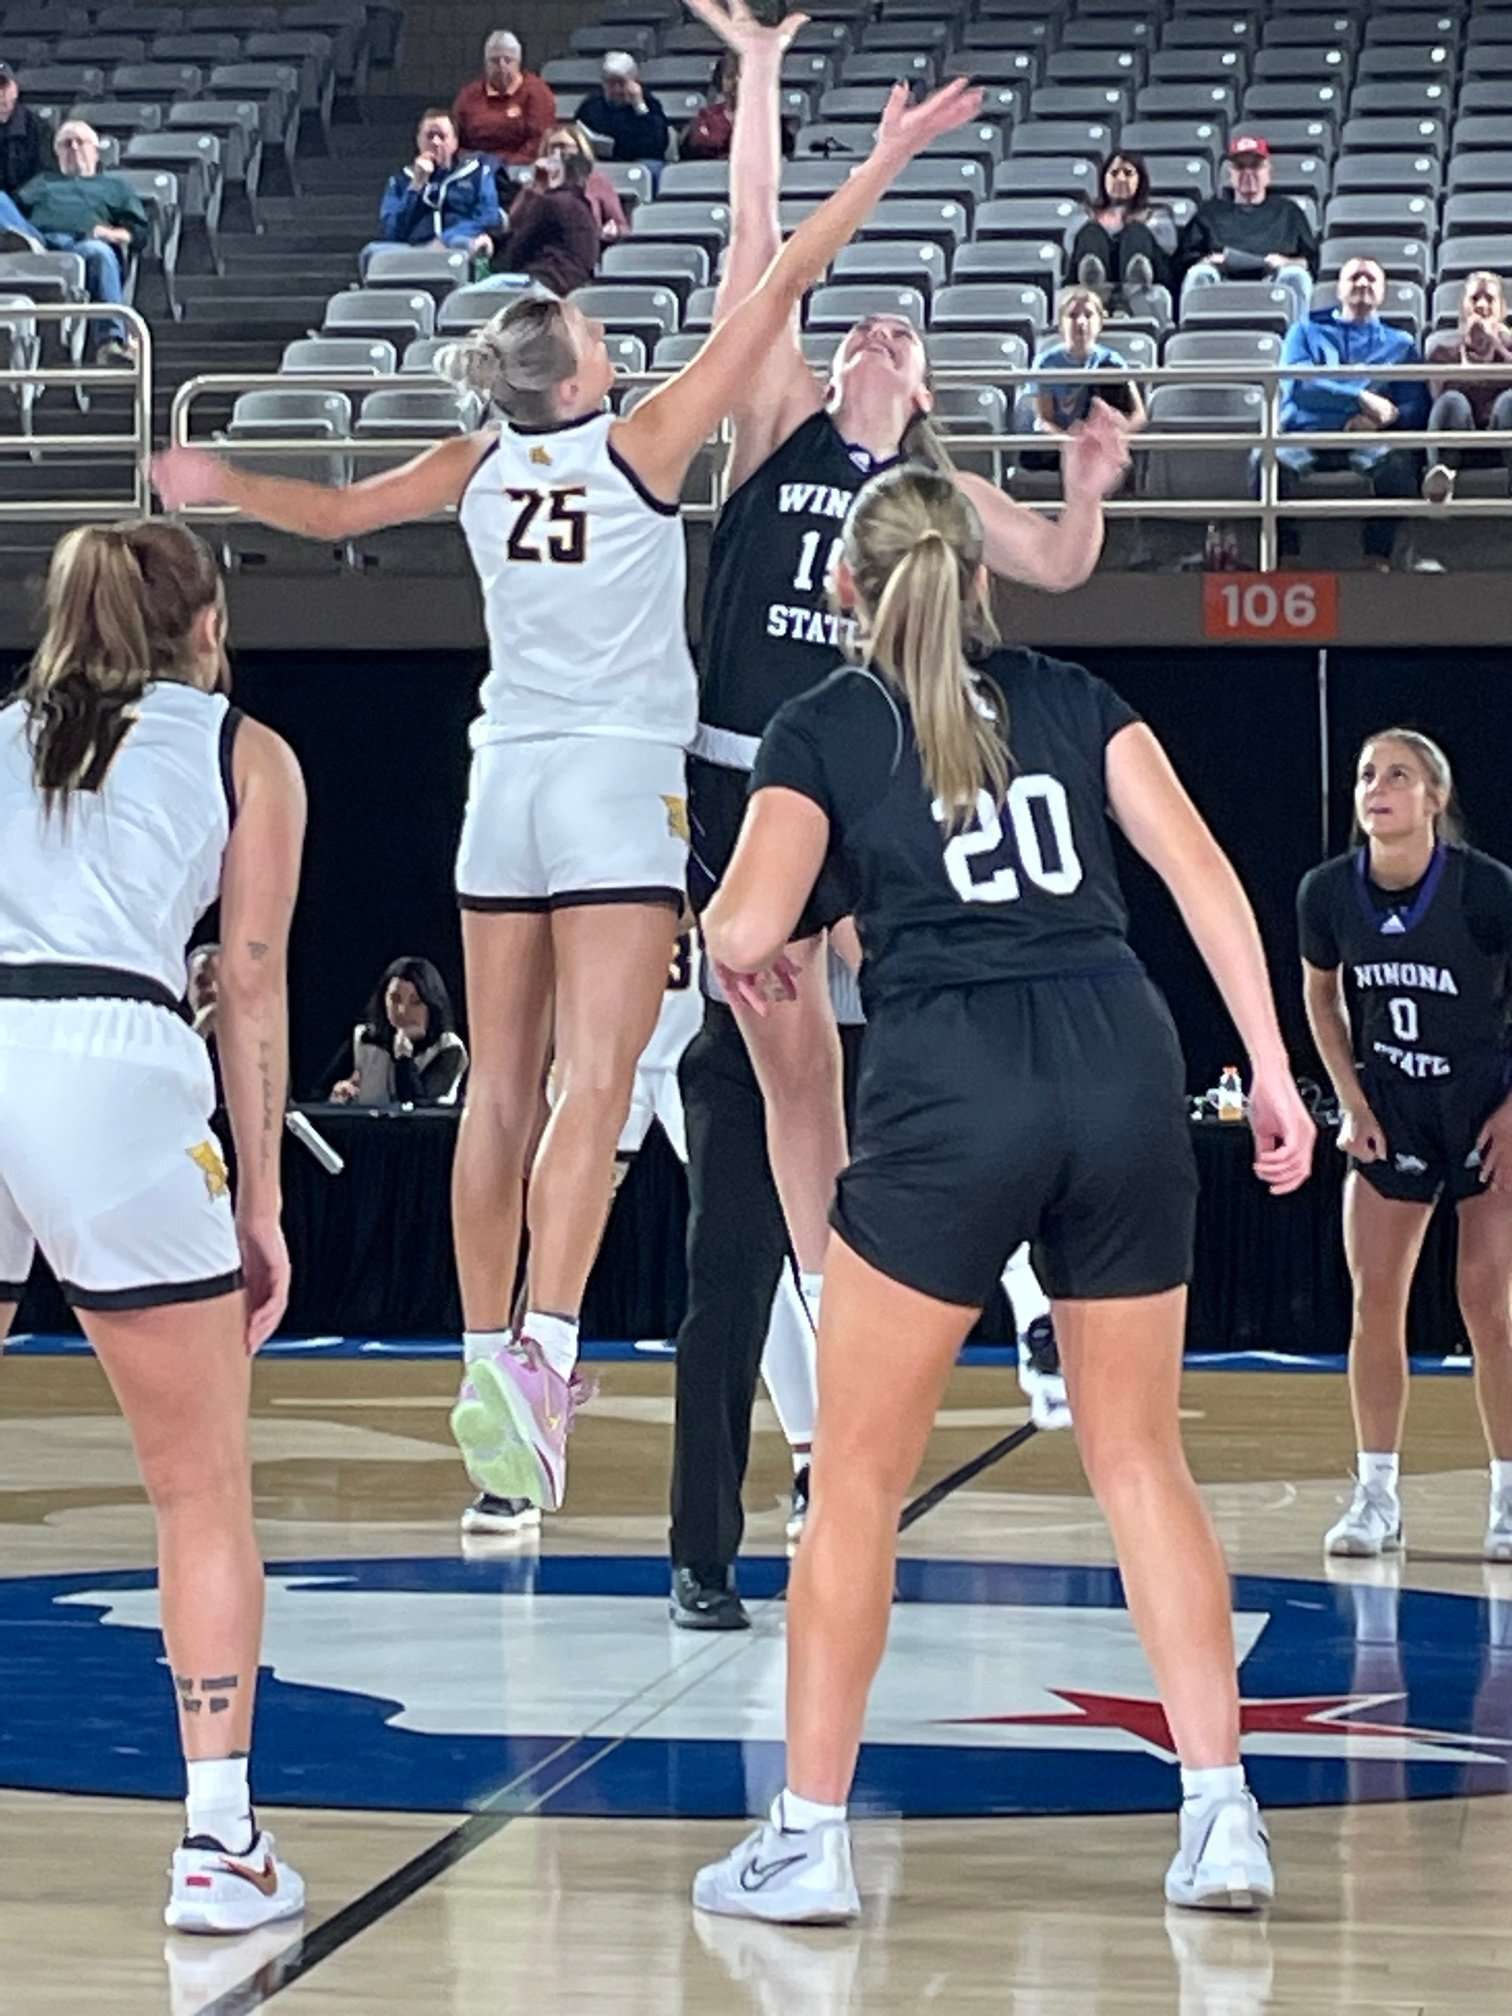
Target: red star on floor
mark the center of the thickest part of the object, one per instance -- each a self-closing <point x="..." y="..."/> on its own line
<point x="1300" y="1715"/>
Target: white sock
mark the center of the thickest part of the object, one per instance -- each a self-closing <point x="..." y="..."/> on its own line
<point x="795" y="1816"/>
<point x="788" y="1363"/>
<point x="478" y="1344"/>
<point x="1026" y="1297"/>
<point x="219" y="1803"/>
<point x="811" y="1287"/>
<point x="1379" y="1467"/>
<point x="1501" y="1474"/>
<point x="558" y="1339"/>
<point x="1215" y="1781"/>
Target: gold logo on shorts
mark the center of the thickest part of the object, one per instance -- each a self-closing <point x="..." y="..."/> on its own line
<point x="540" y="458"/>
<point x="677" y="816"/>
<point x="211" y="1164"/>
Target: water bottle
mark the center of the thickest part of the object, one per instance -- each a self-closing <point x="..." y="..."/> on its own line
<point x="1230" y="1094"/>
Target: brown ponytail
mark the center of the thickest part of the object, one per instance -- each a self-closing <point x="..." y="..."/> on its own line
<point x="120" y="603"/>
<point x="913" y="543"/>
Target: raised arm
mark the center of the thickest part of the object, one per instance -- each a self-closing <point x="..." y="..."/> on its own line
<point x="1161" y="821"/>
<point x="666" y="431"/>
<point x="1056" y="553"/>
<point x="424" y="486"/>
<point x="780" y="391"/>
<point x="259" y="881"/>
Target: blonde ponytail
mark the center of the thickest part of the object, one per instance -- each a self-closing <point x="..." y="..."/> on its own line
<point x="913" y="543"/>
<point x="516" y="361"/>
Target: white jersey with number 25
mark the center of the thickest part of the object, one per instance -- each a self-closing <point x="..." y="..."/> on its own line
<point x="584" y="575"/>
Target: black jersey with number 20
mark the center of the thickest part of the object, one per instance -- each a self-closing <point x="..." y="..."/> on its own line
<point x="1026" y="889"/>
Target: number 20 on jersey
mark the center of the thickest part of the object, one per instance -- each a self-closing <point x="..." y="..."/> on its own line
<point x="1026" y="838"/>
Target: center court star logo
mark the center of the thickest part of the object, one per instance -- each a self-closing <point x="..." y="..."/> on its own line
<point x="1306" y="1715"/>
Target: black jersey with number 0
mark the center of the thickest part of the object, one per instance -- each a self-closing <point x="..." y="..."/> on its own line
<point x="1425" y="968"/>
<point x="1026" y="890"/>
<point x="768" y="629"/>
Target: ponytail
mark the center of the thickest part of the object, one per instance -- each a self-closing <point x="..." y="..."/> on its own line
<point x="914" y="546"/>
<point x="120" y="603"/>
<point x="516" y="361"/>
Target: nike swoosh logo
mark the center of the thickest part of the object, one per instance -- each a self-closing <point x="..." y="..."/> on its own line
<point x="264" y="1879"/>
<point x="757" y="1875"/>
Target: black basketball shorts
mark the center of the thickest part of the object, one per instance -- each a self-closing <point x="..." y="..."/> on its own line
<point x="716" y="806"/>
<point x="1432" y="1128"/>
<point x="1047" y="1110"/>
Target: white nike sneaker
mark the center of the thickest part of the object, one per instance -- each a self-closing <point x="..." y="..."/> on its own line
<point x="1041" y="1380"/>
<point x="1499" y="1527"/>
<point x="1371" y="1526"/>
<point x="785" y="1878"/>
<point x="1223" y="1863"/>
<point x="488" y="1514"/>
<point x="216" y="1891"/>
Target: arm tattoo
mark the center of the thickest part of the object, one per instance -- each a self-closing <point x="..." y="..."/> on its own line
<point x="257" y="948"/>
<point x="265" y="1073"/>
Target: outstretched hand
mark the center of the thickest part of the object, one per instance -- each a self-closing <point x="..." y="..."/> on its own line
<point x="907" y="128"/>
<point x="1096" y="455"/>
<point x="738" y="28"/>
<point x="187" y="476"/>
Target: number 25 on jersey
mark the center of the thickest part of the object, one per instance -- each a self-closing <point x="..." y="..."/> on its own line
<point x="1028" y="835"/>
<point x="562" y="536"/>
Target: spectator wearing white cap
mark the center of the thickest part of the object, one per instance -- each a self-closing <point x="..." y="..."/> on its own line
<point x="506" y="111"/>
<point x="624" y="111"/>
<point x="77" y="209"/>
<point x="1251" y="233"/>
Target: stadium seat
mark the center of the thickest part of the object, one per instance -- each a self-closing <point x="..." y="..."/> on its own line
<point x="1238" y="304"/>
<point x="1483" y="94"/>
<point x="1401" y="258"/>
<point x="1118" y="67"/>
<point x="1414" y="25"/>
<point x="991" y="308"/>
<point x="1174" y="176"/>
<point x="699" y="313"/>
<point x="469" y="308"/>
<point x="885" y="67"/>
<point x="947" y="181"/>
<point x="1208" y="102"/>
<point x="102" y="50"/>
<point x="1479" y="171"/>
<point x="896" y="262"/>
<point x="942" y="223"/>
<point x="1416" y="174"/>
<point x="838" y="308"/>
<point x="680" y="267"/>
<point x="976" y="350"/>
<point x="1483" y="130"/>
<point x="1324" y="63"/>
<point x="106" y="115"/>
<point x="645" y="312"/>
<point x="240" y="20"/>
<point x="1032" y="217"/>
<point x="328" y="414"/>
<point x="852" y="104"/>
<point x="1200" y="66"/>
<point x="195" y="158"/>
<point x="598" y="39"/>
<point x="160" y="196"/>
<point x="395" y="313"/>
<point x="1403" y="99"/>
<point x="319" y="356"/>
<point x="238" y="128"/>
<point x="1227" y="29"/>
<point x="1264" y="104"/>
<point x="1220" y="474"/>
<point x="1467" y="253"/>
<point x="400" y="414"/>
<point x="1104" y="102"/>
<point x="1222" y="347"/>
<point x="66" y="82"/>
<point x="812" y="180"/>
<point x="1414" y="63"/>
<point x="695" y="182"/>
<point x="632" y="184"/>
<point x="1392" y="215"/>
<point x="1014" y="68"/>
<point x="439" y="272"/>
<point x="156" y="83"/>
<point x="1046" y="175"/>
<point x="1062" y="136"/>
<point x="572" y="78"/>
<point x="1206" y="137"/>
<point x="312" y="56"/>
<point x="673" y="352"/>
<point x="420" y="356"/>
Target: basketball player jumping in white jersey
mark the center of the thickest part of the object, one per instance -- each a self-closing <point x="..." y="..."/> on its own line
<point x="800" y="452"/>
<point x="573" y="857"/>
<point x="131" y="798"/>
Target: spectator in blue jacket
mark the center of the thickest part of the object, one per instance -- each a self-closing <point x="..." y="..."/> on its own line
<point x="1353" y="333"/>
<point x="443" y="198"/>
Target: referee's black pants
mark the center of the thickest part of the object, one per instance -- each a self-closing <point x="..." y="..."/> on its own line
<point x="737" y="1248"/>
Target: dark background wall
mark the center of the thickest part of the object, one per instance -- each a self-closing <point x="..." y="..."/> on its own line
<point x="382" y="738"/>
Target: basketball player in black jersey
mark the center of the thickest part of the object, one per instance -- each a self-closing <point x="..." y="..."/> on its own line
<point x="1405" y="945"/>
<point x="800" y="452"/>
<point x="1021" y="1079"/>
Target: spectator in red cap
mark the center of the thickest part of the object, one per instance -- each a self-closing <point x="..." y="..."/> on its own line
<point x="1250" y="233"/>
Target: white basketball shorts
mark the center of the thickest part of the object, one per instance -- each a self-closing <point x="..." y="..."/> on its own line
<point x="573" y="819"/>
<point x="107" y="1158"/>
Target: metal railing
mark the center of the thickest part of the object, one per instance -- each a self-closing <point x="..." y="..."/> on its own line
<point x="29" y="384"/>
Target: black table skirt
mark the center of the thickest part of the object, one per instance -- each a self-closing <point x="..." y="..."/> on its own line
<point x="372" y="1248"/>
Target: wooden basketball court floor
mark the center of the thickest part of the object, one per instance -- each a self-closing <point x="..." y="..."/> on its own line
<point x="1020" y="1811"/>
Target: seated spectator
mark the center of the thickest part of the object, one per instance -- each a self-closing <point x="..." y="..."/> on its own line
<point x="77" y="209"/>
<point x="1250" y="233"/>
<point x="1125" y="239"/>
<point x="406" y="1050"/>
<point x="1482" y="337"/>
<point x="1352" y="333"/>
<point x="1059" y="408"/>
<point x="551" y="234"/>
<point x="26" y="142"/>
<point x="443" y="198"/>
<point x="506" y="111"/>
<point x="709" y="133"/>
<point x="624" y="111"/>
<point x="603" y="197"/>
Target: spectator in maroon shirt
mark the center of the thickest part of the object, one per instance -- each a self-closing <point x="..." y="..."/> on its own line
<point x="708" y="134"/>
<point x="1484" y="338"/>
<point x="551" y="233"/>
<point x="507" y="111"/>
<point x="603" y="197"/>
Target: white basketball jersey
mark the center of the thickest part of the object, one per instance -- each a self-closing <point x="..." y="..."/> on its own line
<point x="122" y="879"/>
<point x="584" y="575"/>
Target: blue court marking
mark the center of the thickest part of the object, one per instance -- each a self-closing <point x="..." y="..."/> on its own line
<point x="427" y="1684"/>
<point x="611" y="1352"/>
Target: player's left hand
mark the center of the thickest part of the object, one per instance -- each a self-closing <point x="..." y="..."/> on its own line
<point x="1283" y="1130"/>
<point x="1095" y="456"/>
<point x="762" y="991"/>
<point x="907" y="129"/>
<point x="1495" y="1146"/>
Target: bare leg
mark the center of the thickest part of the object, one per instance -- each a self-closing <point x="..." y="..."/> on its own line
<point x="1122" y="1361"/>
<point x="509" y="995"/>
<point x="183" y="1379"/>
<point x="795" y="1053"/>
<point x="7" y="1317"/>
<point x="885" y="1353"/>
<point x="1485" y="1297"/>
<point x="611" y="972"/>
<point x="1382" y="1240"/>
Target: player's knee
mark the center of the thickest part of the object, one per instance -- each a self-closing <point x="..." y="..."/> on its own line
<point x="197" y="1473"/>
<point x="1485" y="1298"/>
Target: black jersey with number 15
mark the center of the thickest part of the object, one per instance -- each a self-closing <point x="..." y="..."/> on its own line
<point x="1027" y="889"/>
<point x="768" y="629"/>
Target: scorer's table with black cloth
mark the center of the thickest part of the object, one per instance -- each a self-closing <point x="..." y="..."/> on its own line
<point x="372" y="1255"/>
